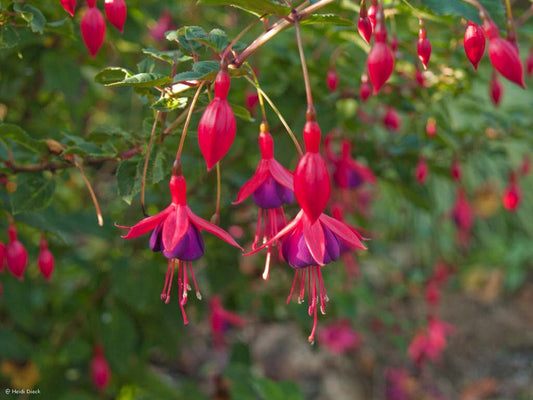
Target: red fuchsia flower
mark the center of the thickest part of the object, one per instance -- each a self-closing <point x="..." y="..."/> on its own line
<point x="164" y="24"/>
<point x="463" y="217"/>
<point x="271" y="186"/>
<point x="45" y="260"/>
<point x="429" y="343"/>
<point x="220" y="320"/>
<point x="380" y="61"/>
<point x="348" y="173"/>
<point x="92" y="29"/>
<point x="339" y="337"/>
<point x="431" y="127"/>
<point x="423" y="46"/>
<point x="455" y="170"/>
<point x="529" y="63"/>
<point x="495" y="89"/>
<point x="432" y="292"/>
<point x="217" y="127"/>
<point x="421" y="170"/>
<point x="512" y="195"/>
<point x="372" y="13"/>
<point x="69" y="6"/>
<point x="100" y="371"/>
<point x="115" y="11"/>
<point x="311" y="178"/>
<point x="525" y="167"/>
<point x="364" y="25"/>
<point x="474" y="43"/>
<point x="392" y="120"/>
<point x="176" y="233"/>
<point x="503" y="55"/>
<point x="16" y="255"/>
<point x="332" y="79"/>
<point x="365" y="90"/>
<point x="251" y="99"/>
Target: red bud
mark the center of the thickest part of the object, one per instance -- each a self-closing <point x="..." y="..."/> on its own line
<point x="380" y="61"/>
<point x="332" y="79"/>
<point x="69" y="6"/>
<point x="115" y="11"/>
<point x="100" y="371"/>
<point x="93" y="29"/>
<point x="45" y="260"/>
<point x="2" y="257"/>
<point x="16" y="255"/>
<point x="474" y="43"/>
<point x="431" y="127"/>
<point x="423" y="46"/>
<point x="455" y="170"/>
<point x="495" y="89"/>
<point x="392" y="120"/>
<point x="421" y="170"/>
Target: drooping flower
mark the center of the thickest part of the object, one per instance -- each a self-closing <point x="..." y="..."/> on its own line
<point x="332" y="79"/>
<point x="115" y="11"/>
<point x="364" y="25"/>
<point x="423" y="46"/>
<point x="372" y="13"/>
<point x="421" y="170"/>
<point x="512" y="194"/>
<point x="392" y="120"/>
<point x="220" y="320"/>
<point x="45" y="260"/>
<point x="69" y="6"/>
<point x="92" y="27"/>
<point x="176" y="233"/>
<point x="380" y="61"/>
<point x="271" y="186"/>
<point x="504" y="56"/>
<point x="474" y="43"/>
<point x="311" y="178"/>
<point x="348" y="173"/>
<point x="217" y="127"/>
<point x="429" y="343"/>
<point x="2" y="257"/>
<point x="100" y="371"/>
<point x="495" y="89"/>
<point x="16" y="255"/>
<point x="431" y="127"/>
<point x="339" y="337"/>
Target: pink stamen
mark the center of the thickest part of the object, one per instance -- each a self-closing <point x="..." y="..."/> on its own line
<point x="198" y="294"/>
<point x="292" y="287"/>
<point x="183" y="268"/>
<point x="168" y="281"/>
<point x="322" y="289"/>
<point x="301" y="296"/>
<point x="257" y="230"/>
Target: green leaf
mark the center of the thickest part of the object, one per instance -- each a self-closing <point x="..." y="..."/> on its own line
<point x="167" y="56"/>
<point x="327" y="19"/>
<point x="459" y="8"/>
<point x="144" y="80"/>
<point x="111" y="75"/>
<point x="119" y="337"/>
<point x="242" y="113"/>
<point x="193" y="32"/>
<point x="18" y="135"/>
<point x="128" y="180"/>
<point x="167" y="104"/>
<point x="256" y="7"/>
<point x="200" y="70"/>
<point x="32" y="15"/>
<point x="34" y="192"/>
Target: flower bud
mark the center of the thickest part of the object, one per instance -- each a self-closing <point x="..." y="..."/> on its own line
<point x="93" y="29"/>
<point x="474" y="43"/>
<point x="115" y="11"/>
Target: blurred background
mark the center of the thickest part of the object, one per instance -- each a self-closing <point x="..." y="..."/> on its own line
<point x="438" y="307"/>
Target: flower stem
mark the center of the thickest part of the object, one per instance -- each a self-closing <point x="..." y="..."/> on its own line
<point x="276" y="110"/>
<point x="91" y="192"/>
<point x="188" y="120"/>
<point x="305" y="72"/>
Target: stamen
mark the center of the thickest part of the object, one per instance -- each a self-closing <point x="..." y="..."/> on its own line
<point x="163" y="293"/>
<point x="293" y="285"/>
<point x="198" y="294"/>
<point x="322" y="288"/>
<point x="168" y="281"/>
<point x="257" y="231"/>
<point x="267" y="264"/>
<point x="301" y="296"/>
<point x="185" y="282"/>
<point x="265" y="226"/>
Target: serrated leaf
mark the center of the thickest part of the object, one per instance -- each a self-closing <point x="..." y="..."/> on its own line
<point x="167" y="104"/>
<point x="128" y="180"/>
<point x="144" y="80"/>
<point x="34" y="192"/>
<point x="167" y="56"/>
<point x="200" y="70"/>
<point x="242" y="113"/>
<point x="111" y="75"/>
<point x="18" y="135"/>
<point x="326" y="19"/>
<point x="193" y="32"/>
<point x="32" y="15"/>
<point x="256" y="7"/>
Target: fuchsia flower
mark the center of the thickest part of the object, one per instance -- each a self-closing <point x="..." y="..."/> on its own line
<point x="431" y="127"/>
<point x="463" y="216"/>
<point x="332" y="79"/>
<point x="421" y="170"/>
<point x="372" y="13"/>
<point x="251" y="99"/>
<point x="339" y="337"/>
<point x="423" y="46"/>
<point x="513" y="194"/>
<point x="455" y="170"/>
<point x="93" y="29"/>
<point x="220" y="319"/>
<point x="69" y="6"/>
<point x="311" y="241"/>
<point x="100" y="371"/>
<point x="16" y="255"/>
<point x="364" y="25"/>
<point x="365" y="90"/>
<point x="217" y="127"/>
<point x="380" y="61"/>
<point x="45" y="260"/>
<point x="474" y="43"/>
<point x="429" y="343"/>
<point x="495" y="89"/>
<point x="2" y="257"/>
<point x="271" y="186"/>
<point x="392" y="120"/>
<point x="348" y="173"/>
<point x="115" y="11"/>
<point x="176" y="234"/>
<point x="504" y="56"/>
